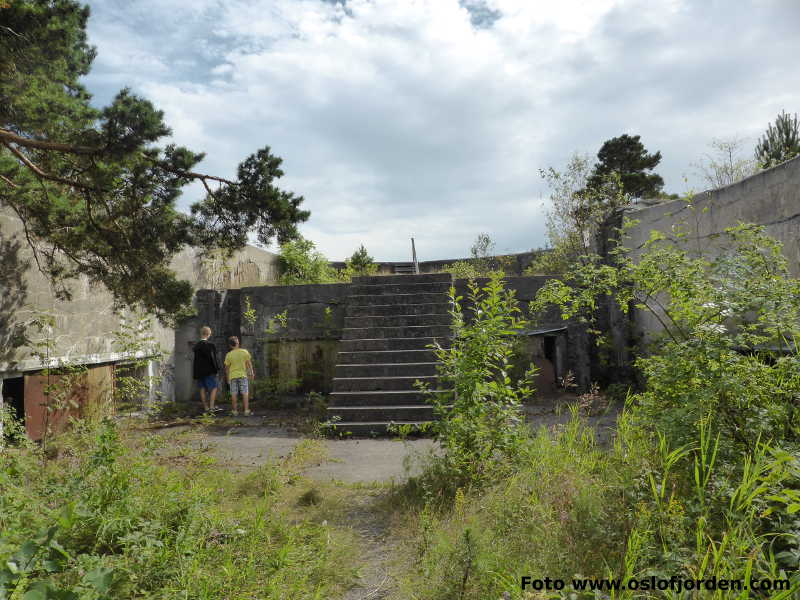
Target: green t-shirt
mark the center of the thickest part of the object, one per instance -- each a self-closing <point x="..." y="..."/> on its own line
<point x="236" y="361"/>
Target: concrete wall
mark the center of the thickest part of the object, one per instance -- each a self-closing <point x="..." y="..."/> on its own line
<point x="84" y="327"/>
<point x="770" y="198"/>
<point x="513" y="264"/>
<point x="305" y="349"/>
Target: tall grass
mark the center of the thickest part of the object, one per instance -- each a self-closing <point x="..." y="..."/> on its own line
<point x="113" y="517"/>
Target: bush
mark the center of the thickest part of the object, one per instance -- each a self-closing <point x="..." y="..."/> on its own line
<point x="301" y="263"/>
<point x="480" y="426"/>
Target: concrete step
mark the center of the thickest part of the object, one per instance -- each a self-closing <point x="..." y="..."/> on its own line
<point x="392" y="279"/>
<point x="379" y="384"/>
<point x="400" y="288"/>
<point x="397" y="321"/>
<point x="386" y="370"/>
<point x="367" y="429"/>
<point x="369" y="345"/>
<point x="405" y="298"/>
<point x="376" y="414"/>
<point x="385" y="310"/>
<point x="366" y="333"/>
<point x="385" y="356"/>
<point x="384" y="398"/>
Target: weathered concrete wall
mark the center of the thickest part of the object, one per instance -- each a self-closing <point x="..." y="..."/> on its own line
<point x="770" y="198"/>
<point x="573" y="347"/>
<point x="304" y="350"/>
<point x="84" y="327"/>
<point x="513" y="264"/>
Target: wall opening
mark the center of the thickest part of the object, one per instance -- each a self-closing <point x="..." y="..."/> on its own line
<point x="14" y="396"/>
<point x="550" y="351"/>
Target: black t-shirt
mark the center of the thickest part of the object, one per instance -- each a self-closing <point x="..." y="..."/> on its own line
<point x="205" y="359"/>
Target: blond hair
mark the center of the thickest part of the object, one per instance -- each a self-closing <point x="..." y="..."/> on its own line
<point x="205" y="331"/>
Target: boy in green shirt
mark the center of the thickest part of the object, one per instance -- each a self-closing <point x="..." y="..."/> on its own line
<point x="238" y="366"/>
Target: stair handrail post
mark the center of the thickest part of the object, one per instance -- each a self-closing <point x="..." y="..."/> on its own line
<point x="414" y="257"/>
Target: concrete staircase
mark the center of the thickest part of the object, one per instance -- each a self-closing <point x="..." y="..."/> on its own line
<point x="388" y="324"/>
<point x="403" y="268"/>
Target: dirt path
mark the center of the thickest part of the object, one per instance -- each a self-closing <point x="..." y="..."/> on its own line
<point x="377" y="551"/>
<point x="366" y="466"/>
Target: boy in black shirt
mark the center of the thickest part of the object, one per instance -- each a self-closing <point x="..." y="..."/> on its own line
<point x="206" y="368"/>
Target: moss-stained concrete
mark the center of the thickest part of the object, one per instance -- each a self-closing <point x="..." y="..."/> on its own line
<point x="309" y="362"/>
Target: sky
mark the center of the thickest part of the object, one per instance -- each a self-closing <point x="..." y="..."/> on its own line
<point x="432" y="118"/>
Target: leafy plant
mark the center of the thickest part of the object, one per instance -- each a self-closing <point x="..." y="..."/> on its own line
<point x="301" y="263"/>
<point x="481" y="427"/>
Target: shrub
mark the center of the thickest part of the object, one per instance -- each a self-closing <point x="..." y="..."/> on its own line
<point x="301" y="263"/>
<point x="481" y="426"/>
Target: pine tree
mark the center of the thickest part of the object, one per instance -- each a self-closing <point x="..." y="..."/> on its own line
<point x="626" y="157"/>
<point x="360" y="264"/>
<point x="95" y="193"/>
<point x="780" y="142"/>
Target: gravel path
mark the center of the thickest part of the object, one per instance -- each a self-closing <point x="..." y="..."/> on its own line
<point x="248" y="443"/>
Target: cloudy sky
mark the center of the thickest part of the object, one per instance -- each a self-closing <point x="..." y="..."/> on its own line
<point x="432" y="118"/>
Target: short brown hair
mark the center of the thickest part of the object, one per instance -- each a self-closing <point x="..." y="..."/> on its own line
<point x="233" y="341"/>
<point x="205" y="330"/>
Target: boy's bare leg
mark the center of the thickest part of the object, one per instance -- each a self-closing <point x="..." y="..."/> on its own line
<point x="203" y="398"/>
<point x="212" y="399"/>
<point x="234" y="403"/>
<point x="245" y="402"/>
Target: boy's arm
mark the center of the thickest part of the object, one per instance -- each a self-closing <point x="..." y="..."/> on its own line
<point x="249" y="366"/>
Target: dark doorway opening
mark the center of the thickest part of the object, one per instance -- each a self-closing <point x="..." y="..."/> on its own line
<point x="550" y="350"/>
<point x="14" y="396"/>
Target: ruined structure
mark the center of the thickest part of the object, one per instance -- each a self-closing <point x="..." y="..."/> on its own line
<point x="363" y="342"/>
<point x="81" y="332"/>
<point x="317" y="337"/>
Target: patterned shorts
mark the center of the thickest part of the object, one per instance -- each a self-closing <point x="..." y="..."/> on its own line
<point x="239" y="386"/>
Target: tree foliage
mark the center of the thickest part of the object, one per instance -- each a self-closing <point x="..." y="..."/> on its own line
<point x="780" y="142"/>
<point x="724" y="164"/>
<point x="301" y="263"/>
<point x="95" y="193"/>
<point x="360" y="264"/>
<point x="628" y="158"/>
<point x="577" y="209"/>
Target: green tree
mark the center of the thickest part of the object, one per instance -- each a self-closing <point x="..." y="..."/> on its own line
<point x="300" y="263"/>
<point x="360" y="263"/>
<point x="628" y="158"/>
<point x="780" y="142"/>
<point x="95" y="193"/>
<point x="576" y="211"/>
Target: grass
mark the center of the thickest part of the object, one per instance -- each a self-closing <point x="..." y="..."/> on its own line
<point x="123" y="515"/>
<point x="576" y="509"/>
<point x="552" y="519"/>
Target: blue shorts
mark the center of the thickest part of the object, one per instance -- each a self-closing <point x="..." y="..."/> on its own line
<point x="209" y="382"/>
<point x="238" y="385"/>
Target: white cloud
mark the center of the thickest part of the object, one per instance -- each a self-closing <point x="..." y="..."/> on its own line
<point x="432" y="117"/>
